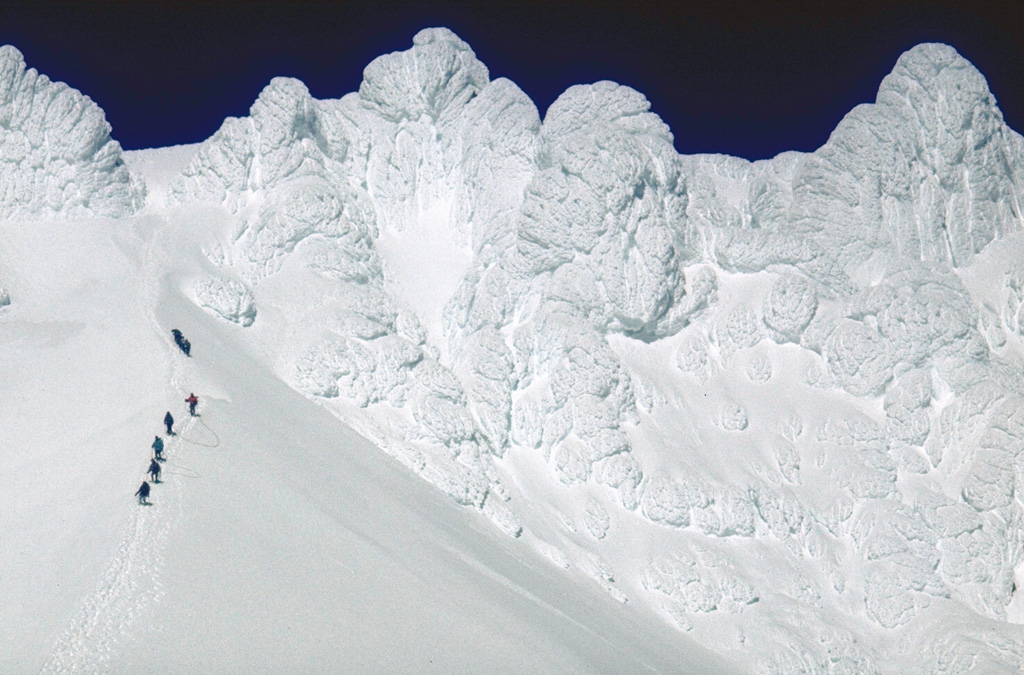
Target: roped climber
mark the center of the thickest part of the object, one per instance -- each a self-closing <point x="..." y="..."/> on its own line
<point x="169" y="422"/>
<point x="154" y="470"/>
<point x="183" y="344"/>
<point x="158" y="448"/>
<point x="143" y="492"/>
<point x="192" y="400"/>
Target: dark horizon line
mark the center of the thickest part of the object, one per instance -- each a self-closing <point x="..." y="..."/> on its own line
<point x="730" y="78"/>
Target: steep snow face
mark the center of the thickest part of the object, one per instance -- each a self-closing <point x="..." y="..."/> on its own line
<point x="56" y="154"/>
<point x="929" y="172"/>
<point x="781" y="394"/>
<point x="377" y="205"/>
<point x="284" y="138"/>
<point x="277" y="539"/>
<point x="599" y="221"/>
<point x="597" y="341"/>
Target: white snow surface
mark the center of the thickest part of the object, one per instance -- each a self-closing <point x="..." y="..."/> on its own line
<point x="485" y="393"/>
<point x="56" y="154"/>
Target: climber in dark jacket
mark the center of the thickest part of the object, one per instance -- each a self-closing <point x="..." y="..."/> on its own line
<point x="154" y="470"/>
<point x="169" y="421"/>
<point x="158" y="448"/>
<point x="143" y="492"/>
<point x="183" y="344"/>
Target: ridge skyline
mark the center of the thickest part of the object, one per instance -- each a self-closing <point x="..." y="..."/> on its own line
<point x="543" y="113"/>
<point x="739" y="81"/>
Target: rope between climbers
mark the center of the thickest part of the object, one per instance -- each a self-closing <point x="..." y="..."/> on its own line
<point x="192" y="473"/>
<point x="205" y="445"/>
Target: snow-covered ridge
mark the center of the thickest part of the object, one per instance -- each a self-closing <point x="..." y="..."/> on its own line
<point x="787" y="390"/>
<point x="56" y="154"/>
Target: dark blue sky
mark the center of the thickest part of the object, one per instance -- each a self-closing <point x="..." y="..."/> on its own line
<point x="745" y="78"/>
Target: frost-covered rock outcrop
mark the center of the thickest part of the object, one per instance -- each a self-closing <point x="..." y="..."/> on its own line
<point x="56" y="154"/>
<point x="283" y="138"/>
<point x="930" y="168"/>
<point x="314" y="185"/>
<point x="790" y="379"/>
<point x="928" y="172"/>
<point x="601" y="221"/>
<point x="228" y="299"/>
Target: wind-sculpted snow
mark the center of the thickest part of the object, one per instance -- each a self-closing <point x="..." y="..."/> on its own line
<point x="499" y="147"/>
<point x="56" y="154"/>
<point x="601" y="220"/>
<point x="485" y="365"/>
<point x="1012" y="316"/>
<point x="903" y="322"/>
<point x="227" y="298"/>
<point x="927" y="172"/>
<point x="696" y="582"/>
<point x="363" y="371"/>
<point x="907" y="404"/>
<point x="787" y="389"/>
<point x="341" y="218"/>
<point x="666" y="501"/>
<point x="577" y="418"/>
<point x="312" y="185"/>
<point x="438" y="75"/>
<point x="789" y="308"/>
<point x="929" y="168"/>
<point x="599" y="248"/>
<point x="784" y="388"/>
<point x="860" y="359"/>
<point x="442" y="135"/>
<point x="283" y="138"/>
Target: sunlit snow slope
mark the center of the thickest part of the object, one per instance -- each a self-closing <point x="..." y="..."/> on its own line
<point x="638" y="401"/>
<point x="278" y="540"/>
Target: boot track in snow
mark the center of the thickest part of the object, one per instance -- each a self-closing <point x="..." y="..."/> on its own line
<point x="132" y="580"/>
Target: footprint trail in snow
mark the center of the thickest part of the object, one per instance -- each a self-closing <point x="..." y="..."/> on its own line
<point x="130" y="584"/>
<point x="132" y="580"/>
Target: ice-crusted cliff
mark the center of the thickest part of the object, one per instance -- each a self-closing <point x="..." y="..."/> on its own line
<point x="778" y="402"/>
<point x="776" y="361"/>
<point x="777" y="366"/>
<point x="56" y="154"/>
<point x="929" y="172"/>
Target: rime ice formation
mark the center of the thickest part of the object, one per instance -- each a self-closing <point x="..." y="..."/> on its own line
<point x="767" y="360"/>
<point x="428" y="142"/>
<point x="929" y="172"/>
<point x="228" y="299"/>
<point x="783" y="394"/>
<point x="56" y="154"/>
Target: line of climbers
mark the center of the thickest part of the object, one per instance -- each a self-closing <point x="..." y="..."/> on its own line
<point x="158" y="443"/>
<point x="182" y="343"/>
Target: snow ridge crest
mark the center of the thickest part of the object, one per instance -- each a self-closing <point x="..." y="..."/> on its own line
<point x="601" y="279"/>
<point x="56" y="154"/>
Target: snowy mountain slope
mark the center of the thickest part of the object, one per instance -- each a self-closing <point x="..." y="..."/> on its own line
<point x="75" y="391"/>
<point x="774" y="403"/>
<point x="278" y="541"/>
